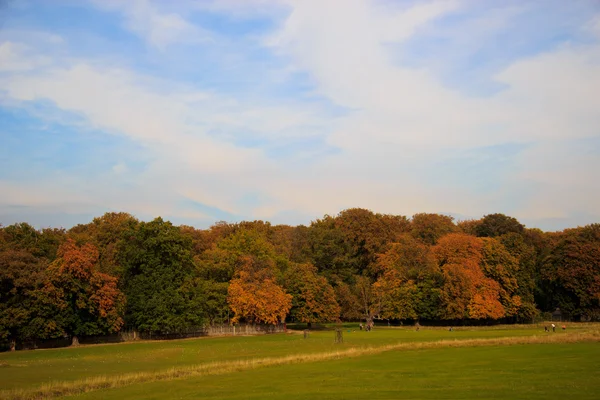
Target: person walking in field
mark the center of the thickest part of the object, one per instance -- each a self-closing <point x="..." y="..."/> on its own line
<point x="546" y="329"/>
<point x="553" y="328"/>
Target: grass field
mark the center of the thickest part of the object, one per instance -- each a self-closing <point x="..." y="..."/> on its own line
<point x="504" y="362"/>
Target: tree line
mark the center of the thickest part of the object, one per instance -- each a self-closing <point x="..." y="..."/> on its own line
<point x="118" y="272"/>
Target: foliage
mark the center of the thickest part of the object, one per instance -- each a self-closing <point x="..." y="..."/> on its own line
<point x="355" y="265"/>
<point x="347" y="298"/>
<point x="467" y="292"/>
<point x="157" y="261"/>
<point x="493" y="225"/>
<point x="255" y="296"/>
<point x="431" y="227"/>
<point x="313" y="298"/>
<point x="21" y="274"/>
<point x="573" y="271"/>
<point x="83" y="300"/>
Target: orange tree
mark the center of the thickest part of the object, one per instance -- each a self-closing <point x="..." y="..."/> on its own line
<point x="79" y="299"/>
<point x="254" y="295"/>
<point x="467" y="292"/>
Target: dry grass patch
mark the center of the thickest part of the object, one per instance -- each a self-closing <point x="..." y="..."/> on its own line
<point x="56" y="389"/>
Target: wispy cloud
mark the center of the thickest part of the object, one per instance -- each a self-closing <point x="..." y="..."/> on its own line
<point x="294" y="109"/>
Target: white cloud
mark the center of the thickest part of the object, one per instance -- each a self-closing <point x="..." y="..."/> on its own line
<point x="14" y="58"/>
<point x="403" y="118"/>
<point x="160" y="29"/>
<point x="400" y="122"/>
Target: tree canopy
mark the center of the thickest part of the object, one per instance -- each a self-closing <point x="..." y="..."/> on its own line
<point x="118" y="272"/>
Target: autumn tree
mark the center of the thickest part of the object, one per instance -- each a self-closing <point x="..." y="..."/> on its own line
<point x="398" y="295"/>
<point x="254" y="295"/>
<point x="84" y="300"/>
<point x="313" y="298"/>
<point x="498" y="264"/>
<point x="406" y="281"/>
<point x="367" y="234"/>
<point x="348" y="300"/>
<point x="467" y="292"/>
<point x="107" y="234"/>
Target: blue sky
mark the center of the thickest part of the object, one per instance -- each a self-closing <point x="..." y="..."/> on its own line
<point x="208" y="110"/>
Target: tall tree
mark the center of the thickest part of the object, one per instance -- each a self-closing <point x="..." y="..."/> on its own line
<point x="573" y="271"/>
<point x="407" y="271"/>
<point x="21" y="274"/>
<point x="254" y="294"/>
<point x="499" y="265"/>
<point x="467" y="292"/>
<point x="367" y="234"/>
<point x="526" y="275"/>
<point x="84" y="301"/>
<point x="313" y="298"/>
<point x="157" y="261"/>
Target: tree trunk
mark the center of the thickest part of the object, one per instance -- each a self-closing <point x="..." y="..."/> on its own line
<point x="13" y="345"/>
<point x="75" y="341"/>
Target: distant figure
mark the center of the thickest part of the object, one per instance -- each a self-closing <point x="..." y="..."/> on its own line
<point x="564" y="327"/>
<point x="546" y="329"/>
<point x="553" y="328"/>
<point x="418" y="326"/>
<point x="360" y="326"/>
<point x="450" y="329"/>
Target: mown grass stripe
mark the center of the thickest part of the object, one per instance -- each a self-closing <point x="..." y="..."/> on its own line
<point x="58" y="388"/>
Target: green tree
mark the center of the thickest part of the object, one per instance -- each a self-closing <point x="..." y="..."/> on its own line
<point x="313" y="298"/>
<point x="157" y="260"/>
<point x="572" y="270"/>
<point x="21" y="274"/>
<point x="431" y="227"/>
<point x="493" y="225"/>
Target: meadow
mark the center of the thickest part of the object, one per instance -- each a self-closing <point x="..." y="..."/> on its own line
<point x="498" y="362"/>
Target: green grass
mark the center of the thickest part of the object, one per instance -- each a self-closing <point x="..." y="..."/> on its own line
<point x="31" y="369"/>
<point x="504" y="372"/>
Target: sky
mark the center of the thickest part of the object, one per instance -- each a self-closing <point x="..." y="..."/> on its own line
<point x="282" y="110"/>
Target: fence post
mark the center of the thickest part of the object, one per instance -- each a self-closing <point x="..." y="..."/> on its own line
<point x="339" y="337"/>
